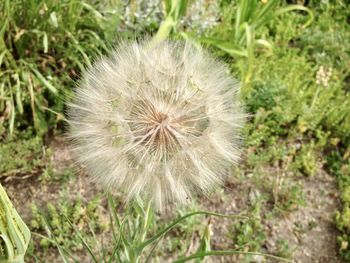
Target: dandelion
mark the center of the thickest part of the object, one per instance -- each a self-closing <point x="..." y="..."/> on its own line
<point x="158" y="123"/>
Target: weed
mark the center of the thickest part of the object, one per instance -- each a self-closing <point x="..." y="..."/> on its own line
<point x="249" y="235"/>
<point x="288" y="196"/>
<point x="52" y="221"/>
<point x="181" y="237"/>
<point x="283" y="249"/>
<point x="305" y="160"/>
<point x="24" y="158"/>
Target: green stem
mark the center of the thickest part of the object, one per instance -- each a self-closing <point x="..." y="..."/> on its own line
<point x="314" y="99"/>
<point x="172" y="225"/>
<point x="146" y="221"/>
<point x="228" y="252"/>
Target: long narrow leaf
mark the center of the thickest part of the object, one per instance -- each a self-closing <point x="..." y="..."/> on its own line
<point x="18" y="94"/>
<point x="177" y="221"/>
<point x="82" y="240"/>
<point x="228" y="47"/>
<point x="11" y="104"/>
<point x="229" y="252"/>
<point x="43" y="80"/>
<point x="60" y="249"/>
<point x="120" y="240"/>
<point x="298" y="8"/>
<point x="54" y="242"/>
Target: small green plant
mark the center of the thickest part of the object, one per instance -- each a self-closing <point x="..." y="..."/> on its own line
<point x="341" y="168"/>
<point x="283" y="249"/>
<point x="58" y="231"/>
<point x="306" y="160"/>
<point x="248" y="234"/>
<point x="23" y="157"/>
<point x="288" y="197"/>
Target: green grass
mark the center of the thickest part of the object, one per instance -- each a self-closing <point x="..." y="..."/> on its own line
<point x="51" y="221"/>
<point x="25" y="158"/>
<point x="44" y="47"/>
<point x="51" y="230"/>
<point x="297" y="127"/>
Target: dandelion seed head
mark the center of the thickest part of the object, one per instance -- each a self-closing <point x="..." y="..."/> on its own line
<point x="157" y="122"/>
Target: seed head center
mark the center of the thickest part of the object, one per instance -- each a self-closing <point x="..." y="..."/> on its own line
<point x="162" y="119"/>
<point x="163" y="132"/>
<point x="154" y="128"/>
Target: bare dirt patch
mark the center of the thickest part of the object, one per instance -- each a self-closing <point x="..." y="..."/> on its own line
<point x="310" y="230"/>
<point x="24" y="192"/>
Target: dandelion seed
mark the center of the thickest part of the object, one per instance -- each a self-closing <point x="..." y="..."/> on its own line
<point x="158" y="123"/>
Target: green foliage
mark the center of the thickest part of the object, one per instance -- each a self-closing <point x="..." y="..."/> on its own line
<point x="131" y="240"/>
<point x="325" y="42"/>
<point x="283" y="249"/>
<point x="242" y="28"/>
<point x="341" y="168"/>
<point x="333" y="102"/>
<point x="248" y="234"/>
<point x="23" y="157"/>
<point x="305" y="160"/>
<point x="277" y="98"/>
<point x="288" y="197"/>
<point x="14" y="233"/>
<point x="298" y="122"/>
<point x="52" y="221"/>
<point x="44" y="45"/>
<point x="174" y="11"/>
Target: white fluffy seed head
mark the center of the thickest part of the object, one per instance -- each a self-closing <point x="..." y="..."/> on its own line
<point x="157" y="123"/>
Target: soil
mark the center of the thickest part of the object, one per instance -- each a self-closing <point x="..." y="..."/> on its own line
<point x="309" y="229"/>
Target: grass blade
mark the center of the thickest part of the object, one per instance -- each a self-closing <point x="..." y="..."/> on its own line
<point x="297" y="8"/>
<point x="12" y="113"/>
<point x="18" y="94"/>
<point x="177" y="221"/>
<point x="43" y="80"/>
<point x="45" y="43"/>
<point x="82" y="240"/>
<point x="228" y="47"/>
<point x="229" y="252"/>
